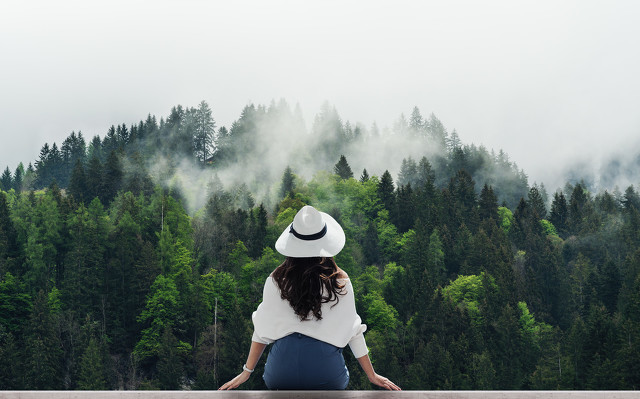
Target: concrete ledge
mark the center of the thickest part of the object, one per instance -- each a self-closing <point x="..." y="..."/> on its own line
<point x="317" y="394"/>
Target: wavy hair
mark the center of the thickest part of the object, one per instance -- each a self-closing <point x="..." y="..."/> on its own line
<point x="307" y="283"/>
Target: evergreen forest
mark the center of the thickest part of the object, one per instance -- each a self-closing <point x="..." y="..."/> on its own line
<point x="135" y="260"/>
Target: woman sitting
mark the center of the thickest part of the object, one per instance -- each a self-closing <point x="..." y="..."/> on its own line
<point x="308" y="313"/>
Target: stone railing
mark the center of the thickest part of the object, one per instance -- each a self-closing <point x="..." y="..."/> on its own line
<point x="318" y="394"/>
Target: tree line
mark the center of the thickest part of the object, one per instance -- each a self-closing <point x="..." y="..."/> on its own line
<point x="466" y="281"/>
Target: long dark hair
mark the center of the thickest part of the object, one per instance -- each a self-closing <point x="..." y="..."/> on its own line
<point x="307" y="283"/>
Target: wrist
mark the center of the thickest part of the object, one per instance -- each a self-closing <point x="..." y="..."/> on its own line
<point x="247" y="369"/>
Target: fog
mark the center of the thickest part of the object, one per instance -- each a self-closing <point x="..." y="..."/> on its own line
<point x="553" y="84"/>
<point x="265" y="140"/>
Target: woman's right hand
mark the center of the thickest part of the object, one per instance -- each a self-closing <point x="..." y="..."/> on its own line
<point x="374" y="377"/>
<point x="236" y="381"/>
<point x="383" y="382"/>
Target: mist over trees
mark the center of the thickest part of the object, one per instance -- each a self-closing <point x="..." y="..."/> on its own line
<point x="135" y="260"/>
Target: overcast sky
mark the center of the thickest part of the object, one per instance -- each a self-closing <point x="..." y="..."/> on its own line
<point x="544" y="80"/>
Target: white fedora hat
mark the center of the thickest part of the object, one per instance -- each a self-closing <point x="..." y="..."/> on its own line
<point x="311" y="234"/>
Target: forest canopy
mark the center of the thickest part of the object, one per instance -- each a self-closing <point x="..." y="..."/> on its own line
<point x="135" y="260"/>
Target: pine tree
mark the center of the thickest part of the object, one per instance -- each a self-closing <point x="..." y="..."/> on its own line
<point x="401" y="126"/>
<point x="9" y="249"/>
<point x="437" y="131"/>
<point x="120" y="274"/>
<point x="55" y="165"/>
<point x="328" y="125"/>
<point x="112" y="178"/>
<point x="29" y="179"/>
<point x="94" y="179"/>
<point x="95" y="149"/>
<point x="537" y="203"/>
<point x="92" y="369"/>
<point x="405" y="208"/>
<point x="631" y="199"/>
<point x="435" y="258"/>
<point x="458" y="160"/>
<point x="85" y="259"/>
<point x="258" y="231"/>
<point x="137" y="179"/>
<point x="577" y="208"/>
<point x="170" y="364"/>
<point x="386" y="191"/>
<point x="370" y="244"/>
<point x="559" y="213"/>
<point x="160" y="312"/>
<point x="358" y="132"/>
<point x="288" y="183"/>
<point x="488" y="204"/>
<point x="43" y="349"/>
<point x="364" y="176"/>
<point x="15" y="304"/>
<point x="77" y="183"/>
<point x="73" y="149"/>
<point x="454" y="143"/>
<point x="44" y="242"/>
<point x="425" y="173"/>
<point x="408" y="172"/>
<point x="18" y="177"/>
<point x="10" y="361"/>
<point x="123" y="135"/>
<point x="43" y="171"/>
<point x="204" y="132"/>
<point x="462" y="189"/>
<point x="348" y="131"/>
<point x="416" y="258"/>
<point x="6" y="181"/>
<point x="609" y="285"/>
<point x="416" y="122"/>
<point x="342" y="168"/>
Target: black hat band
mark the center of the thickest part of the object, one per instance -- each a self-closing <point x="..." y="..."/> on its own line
<point x="309" y="237"/>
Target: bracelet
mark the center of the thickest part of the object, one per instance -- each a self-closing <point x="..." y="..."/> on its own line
<point x="245" y="368"/>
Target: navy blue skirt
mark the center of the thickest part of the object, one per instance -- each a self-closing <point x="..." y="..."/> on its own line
<point x="299" y="362"/>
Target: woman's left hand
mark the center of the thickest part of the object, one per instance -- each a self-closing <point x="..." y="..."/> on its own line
<point x="235" y="383"/>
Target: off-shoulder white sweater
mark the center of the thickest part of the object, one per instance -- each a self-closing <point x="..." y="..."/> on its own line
<point x="340" y="325"/>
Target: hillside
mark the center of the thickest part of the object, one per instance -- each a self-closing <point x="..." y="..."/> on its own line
<point x="134" y="261"/>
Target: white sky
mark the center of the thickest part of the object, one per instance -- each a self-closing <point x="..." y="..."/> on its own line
<point x="544" y="80"/>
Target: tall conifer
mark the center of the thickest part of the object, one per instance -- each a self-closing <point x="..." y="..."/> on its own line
<point x="342" y="168"/>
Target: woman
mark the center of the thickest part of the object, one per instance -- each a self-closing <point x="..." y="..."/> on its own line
<point x="308" y="313"/>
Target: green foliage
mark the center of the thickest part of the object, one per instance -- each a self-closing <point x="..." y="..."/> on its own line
<point x="342" y="168"/>
<point x="435" y="256"/>
<point x="532" y="330"/>
<point x="548" y="228"/>
<point x="238" y="258"/>
<point x="43" y="349"/>
<point x="386" y="191"/>
<point x="469" y="292"/>
<point x="92" y="368"/>
<point x="222" y="286"/>
<point x="10" y="362"/>
<point x="506" y="218"/>
<point x="288" y="209"/>
<point x="170" y="364"/>
<point x="160" y="313"/>
<point x="381" y="316"/>
<point x="288" y="182"/>
<point x="447" y="281"/>
<point x="15" y="304"/>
